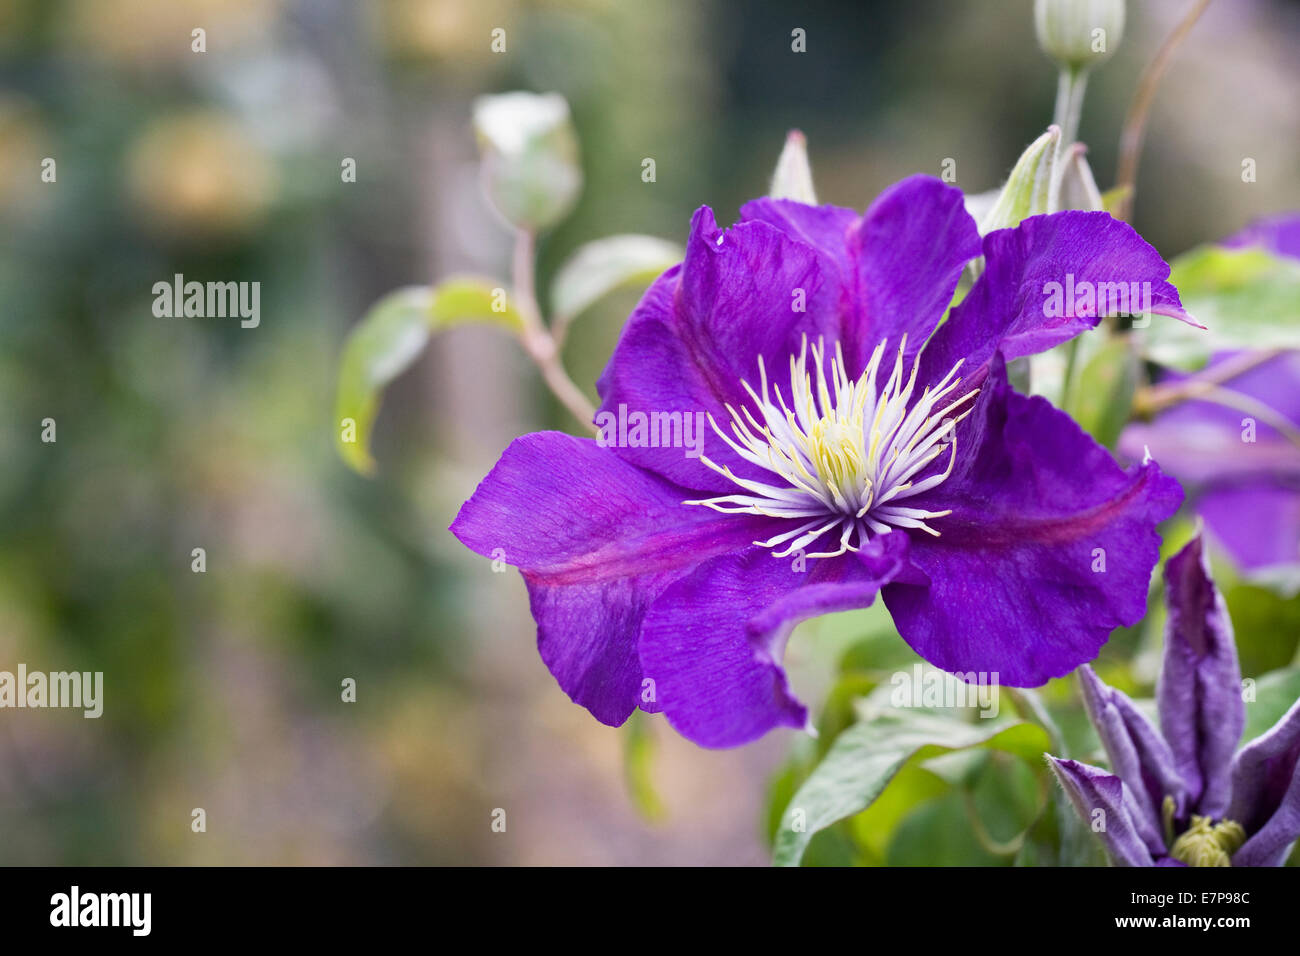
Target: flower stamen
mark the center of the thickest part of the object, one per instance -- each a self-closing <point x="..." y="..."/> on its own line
<point x="843" y="453"/>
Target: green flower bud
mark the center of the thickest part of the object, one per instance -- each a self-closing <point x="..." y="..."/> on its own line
<point x="1028" y="189"/>
<point x="1078" y="34"/>
<point x="529" y="154"/>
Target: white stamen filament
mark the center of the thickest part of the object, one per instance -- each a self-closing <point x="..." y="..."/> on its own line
<point x="842" y="455"/>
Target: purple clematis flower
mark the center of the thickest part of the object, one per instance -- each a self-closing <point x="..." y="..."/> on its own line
<point x="1242" y="471"/>
<point x="854" y="451"/>
<point x="1178" y="795"/>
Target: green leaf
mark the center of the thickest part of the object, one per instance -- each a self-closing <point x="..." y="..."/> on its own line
<point x="875" y="826"/>
<point x="390" y="337"/>
<point x="840" y="710"/>
<point x="638" y="766"/>
<point x="1246" y="298"/>
<point x="867" y="756"/>
<point x="1275" y="694"/>
<point x="940" y="833"/>
<point x="1266" y="622"/>
<point x="462" y="299"/>
<point x="781" y="788"/>
<point x="1101" y="397"/>
<point x="598" y="268"/>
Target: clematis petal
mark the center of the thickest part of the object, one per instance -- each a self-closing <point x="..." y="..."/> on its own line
<point x="1033" y="293"/>
<point x="1137" y="752"/>
<point x="1257" y="521"/>
<point x="896" y="267"/>
<point x="1203" y="441"/>
<point x="1091" y="790"/>
<point x="1207" y="452"/>
<point x="713" y="641"/>
<point x="824" y="228"/>
<point x="1246" y="473"/>
<point x="1049" y="546"/>
<point x="910" y="247"/>
<point x="1266" y="792"/>
<point x="1279" y="234"/>
<point x="1272" y="844"/>
<point x="1199" y="692"/>
<point x="1149" y="831"/>
<point x="701" y="328"/>
<point x="597" y="540"/>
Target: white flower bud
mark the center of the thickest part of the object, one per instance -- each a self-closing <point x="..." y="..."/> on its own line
<point x="1027" y="191"/>
<point x="793" y="176"/>
<point x="530" y="157"/>
<point x="1079" y="34"/>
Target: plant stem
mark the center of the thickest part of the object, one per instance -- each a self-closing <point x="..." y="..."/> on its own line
<point x="1210" y="392"/>
<point x="537" y="342"/>
<point x="1130" y="140"/>
<point x="1067" y="383"/>
<point x="1156" y="398"/>
<point x="1208" y="387"/>
<point x="1070" y="87"/>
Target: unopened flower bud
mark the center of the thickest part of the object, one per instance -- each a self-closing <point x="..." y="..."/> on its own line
<point x="1078" y="186"/>
<point x="529" y="157"/>
<point x="1079" y="34"/>
<point x="793" y="176"/>
<point x="1028" y="189"/>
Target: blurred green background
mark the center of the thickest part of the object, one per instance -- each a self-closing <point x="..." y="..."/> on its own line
<point x="222" y="689"/>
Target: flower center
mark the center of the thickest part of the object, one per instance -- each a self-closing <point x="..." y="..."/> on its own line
<point x="843" y="454"/>
<point x="1208" y="844"/>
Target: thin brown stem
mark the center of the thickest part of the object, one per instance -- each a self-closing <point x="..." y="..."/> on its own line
<point x="1213" y="392"/>
<point x="1130" y="140"/>
<point x="1156" y="398"/>
<point x="539" y="343"/>
<point x="560" y="328"/>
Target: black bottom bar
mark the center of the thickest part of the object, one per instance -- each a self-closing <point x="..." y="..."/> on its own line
<point x="302" y="905"/>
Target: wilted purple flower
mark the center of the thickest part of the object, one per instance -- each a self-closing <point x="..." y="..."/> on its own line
<point x="1242" y="472"/>
<point x="1178" y="795"/>
<point x="894" y="461"/>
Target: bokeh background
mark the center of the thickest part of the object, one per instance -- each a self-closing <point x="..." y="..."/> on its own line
<point x="223" y="688"/>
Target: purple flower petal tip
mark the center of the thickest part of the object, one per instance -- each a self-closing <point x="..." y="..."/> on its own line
<point x="1099" y="799"/>
<point x="1179" y="313"/>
